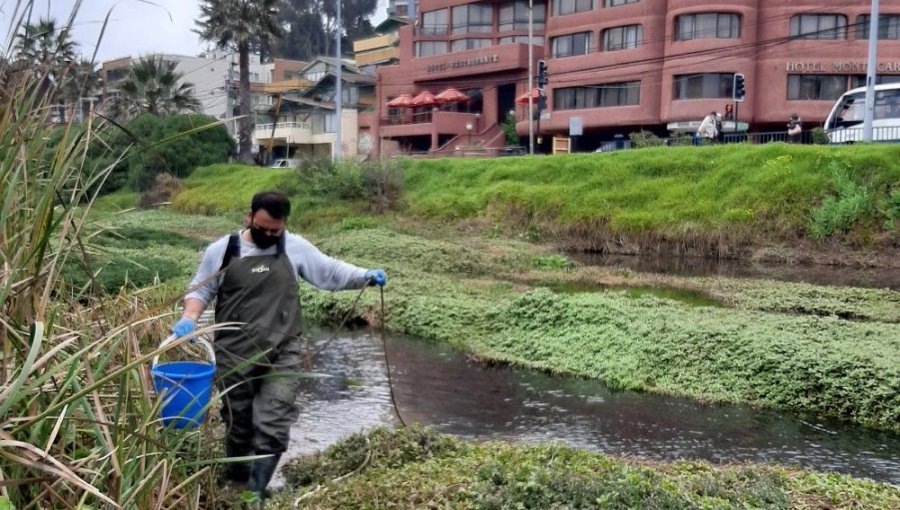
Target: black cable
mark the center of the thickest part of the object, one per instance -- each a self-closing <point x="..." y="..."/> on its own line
<point x="387" y="363"/>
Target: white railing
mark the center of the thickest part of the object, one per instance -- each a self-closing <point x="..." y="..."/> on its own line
<point x="283" y="125"/>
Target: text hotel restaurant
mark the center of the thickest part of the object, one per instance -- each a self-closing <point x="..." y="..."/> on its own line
<point x="623" y="65"/>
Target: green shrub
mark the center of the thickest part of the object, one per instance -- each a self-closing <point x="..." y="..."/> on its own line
<point x="819" y="136"/>
<point x="838" y="214"/>
<point x="642" y="139"/>
<point x="509" y="129"/>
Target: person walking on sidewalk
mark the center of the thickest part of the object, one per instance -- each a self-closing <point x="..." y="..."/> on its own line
<point x="252" y="275"/>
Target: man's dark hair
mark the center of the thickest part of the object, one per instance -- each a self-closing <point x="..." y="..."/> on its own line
<point x="275" y="203"/>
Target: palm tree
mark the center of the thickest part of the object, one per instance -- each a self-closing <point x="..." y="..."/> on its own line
<point x="45" y="49"/>
<point x="153" y="86"/>
<point x="240" y="24"/>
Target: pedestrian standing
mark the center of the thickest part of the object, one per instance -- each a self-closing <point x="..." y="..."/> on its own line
<point x="252" y="275"/>
<point x="707" y="130"/>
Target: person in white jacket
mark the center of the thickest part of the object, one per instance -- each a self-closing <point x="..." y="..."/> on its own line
<point x="707" y="130"/>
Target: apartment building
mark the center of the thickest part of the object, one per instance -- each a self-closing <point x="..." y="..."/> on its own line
<point x="618" y="66"/>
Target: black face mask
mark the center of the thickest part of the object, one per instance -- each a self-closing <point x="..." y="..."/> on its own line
<point x="261" y="239"/>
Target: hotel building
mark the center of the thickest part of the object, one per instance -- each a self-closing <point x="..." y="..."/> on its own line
<point x="619" y="66"/>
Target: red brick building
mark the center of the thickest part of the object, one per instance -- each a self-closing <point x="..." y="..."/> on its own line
<point x="624" y="65"/>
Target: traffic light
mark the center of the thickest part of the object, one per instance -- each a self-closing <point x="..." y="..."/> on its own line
<point x="542" y="74"/>
<point x="542" y="101"/>
<point x="739" y="90"/>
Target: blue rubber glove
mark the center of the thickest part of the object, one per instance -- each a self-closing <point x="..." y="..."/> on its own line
<point x="184" y="327"/>
<point x="376" y="277"/>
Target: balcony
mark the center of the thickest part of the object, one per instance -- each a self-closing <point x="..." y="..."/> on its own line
<point x="289" y="132"/>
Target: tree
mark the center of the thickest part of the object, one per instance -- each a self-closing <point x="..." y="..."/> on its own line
<point x="153" y="86"/>
<point x="241" y="24"/>
<point x="47" y="50"/>
<point x="311" y="25"/>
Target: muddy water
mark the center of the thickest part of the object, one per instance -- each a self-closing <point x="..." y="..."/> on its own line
<point x="438" y="386"/>
<point x="882" y="278"/>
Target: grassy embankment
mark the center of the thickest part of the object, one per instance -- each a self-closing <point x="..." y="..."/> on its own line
<point x="417" y="469"/>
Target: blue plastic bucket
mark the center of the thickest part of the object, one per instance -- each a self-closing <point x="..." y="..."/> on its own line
<point x="185" y="387"/>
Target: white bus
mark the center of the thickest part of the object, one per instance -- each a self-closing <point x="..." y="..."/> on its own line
<point x="845" y="122"/>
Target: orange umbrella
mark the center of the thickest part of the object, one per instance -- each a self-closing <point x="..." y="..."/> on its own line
<point x="424" y="98"/>
<point x="524" y="98"/>
<point x="401" y="101"/>
<point x="451" y="95"/>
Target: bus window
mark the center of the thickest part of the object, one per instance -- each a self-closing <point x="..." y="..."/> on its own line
<point x="887" y="105"/>
<point x="852" y="111"/>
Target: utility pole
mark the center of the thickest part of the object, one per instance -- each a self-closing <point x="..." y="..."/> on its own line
<point x="531" y="77"/>
<point x="339" y="95"/>
<point x="870" y="73"/>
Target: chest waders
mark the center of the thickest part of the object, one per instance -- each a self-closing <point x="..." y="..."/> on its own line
<point x="258" y="397"/>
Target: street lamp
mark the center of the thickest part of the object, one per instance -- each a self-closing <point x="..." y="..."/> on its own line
<point x="530" y="77"/>
<point x="469" y="134"/>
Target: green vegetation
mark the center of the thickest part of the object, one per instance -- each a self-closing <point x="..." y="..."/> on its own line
<point x="808" y="360"/>
<point x="698" y="200"/>
<point x="150" y="145"/>
<point x="417" y="468"/>
<point x="79" y="423"/>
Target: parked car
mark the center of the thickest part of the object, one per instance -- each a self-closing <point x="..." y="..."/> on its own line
<point x="286" y="163"/>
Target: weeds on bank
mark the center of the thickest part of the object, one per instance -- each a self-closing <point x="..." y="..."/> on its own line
<point x="79" y="423"/>
<point x="418" y="468"/>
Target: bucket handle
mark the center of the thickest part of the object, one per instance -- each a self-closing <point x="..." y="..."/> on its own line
<point x="200" y="340"/>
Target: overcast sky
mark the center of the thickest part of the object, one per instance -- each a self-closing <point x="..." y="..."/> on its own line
<point x="135" y="27"/>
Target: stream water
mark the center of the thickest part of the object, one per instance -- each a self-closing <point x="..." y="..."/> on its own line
<point x="438" y="386"/>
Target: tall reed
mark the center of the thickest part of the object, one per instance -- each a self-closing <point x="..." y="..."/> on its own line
<point x="79" y="421"/>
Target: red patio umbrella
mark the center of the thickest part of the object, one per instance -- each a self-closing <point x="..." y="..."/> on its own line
<point x="524" y="98"/>
<point x="451" y="95"/>
<point x="401" y="101"/>
<point x="424" y="98"/>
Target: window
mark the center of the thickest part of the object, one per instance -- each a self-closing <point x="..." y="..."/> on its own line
<point x="703" y="86"/>
<point x="620" y="94"/>
<point x="710" y="25"/>
<point x="816" y="86"/>
<point x="514" y="16"/>
<point x="622" y="38"/>
<point x="563" y="7"/>
<point x="598" y="96"/>
<point x="536" y="40"/>
<point x="819" y="26"/>
<point x="859" y="80"/>
<point x="572" y="44"/>
<point x="473" y="18"/>
<point x="469" y="44"/>
<point x="315" y="75"/>
<point x="429" y="48"/>
<point x="330" y="123"/>
<point x="616" y="3"/>
<point x="888" y="26"/>
<point x="434" y="22"/>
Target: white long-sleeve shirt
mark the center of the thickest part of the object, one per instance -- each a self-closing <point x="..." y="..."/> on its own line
<point x="309" y="263"/>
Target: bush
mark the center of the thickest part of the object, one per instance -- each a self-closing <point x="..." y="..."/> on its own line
<point x="819" y="136"/>
<point x="151" y="145"/>
<point x="163" y="190"/>
<point x="509" y="130"/>
<point x="840" y="213"/>
<point x="643" y="139"/>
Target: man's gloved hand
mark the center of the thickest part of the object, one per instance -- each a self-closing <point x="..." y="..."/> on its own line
<point x="376" y="277"/>
<point x="184" y="326"/>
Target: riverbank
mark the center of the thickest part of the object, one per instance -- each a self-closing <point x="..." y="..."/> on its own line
<point x="416" y="468"/>
<point x="777" y="202"/>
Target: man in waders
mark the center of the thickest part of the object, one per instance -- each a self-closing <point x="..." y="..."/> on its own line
<point x="258" y="363"/>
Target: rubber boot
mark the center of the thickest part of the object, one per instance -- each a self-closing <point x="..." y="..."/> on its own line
<point x="237" y="472"/>
<point x="262" y="472"/>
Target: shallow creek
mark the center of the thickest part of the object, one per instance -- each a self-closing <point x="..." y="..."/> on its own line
<point x="438" y="386"/>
